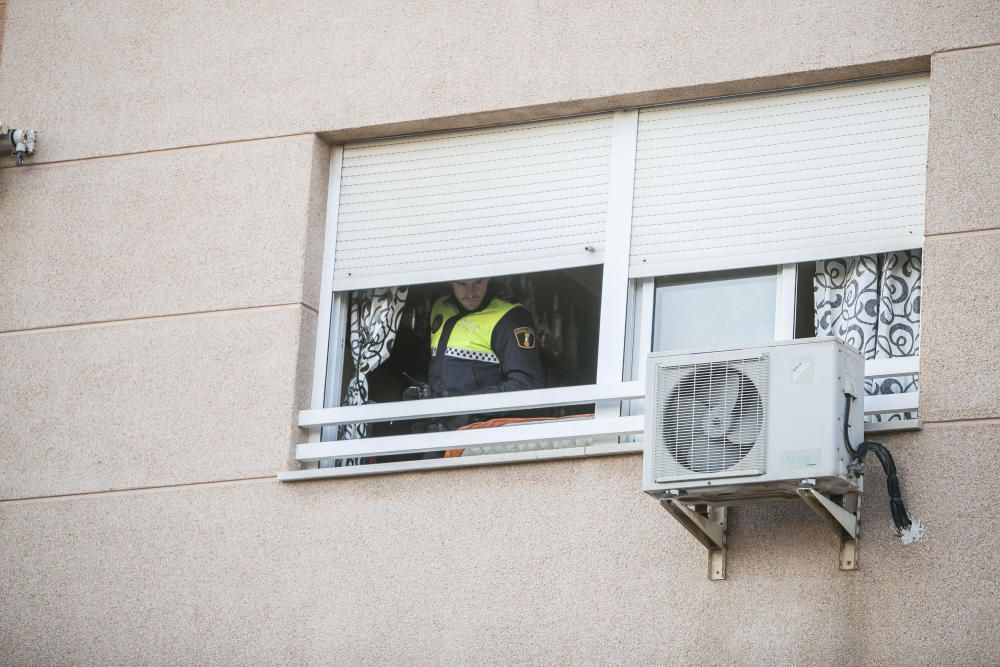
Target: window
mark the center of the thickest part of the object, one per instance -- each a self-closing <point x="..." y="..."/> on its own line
<point x="381" y="362"/>
<point x="715" y="310"/>
<point x="693" y="224"/>
<point x="870" y="301"/>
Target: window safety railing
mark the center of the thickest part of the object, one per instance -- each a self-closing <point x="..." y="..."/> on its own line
<point x="600" y="432"/>
<point x="883" y="405"/>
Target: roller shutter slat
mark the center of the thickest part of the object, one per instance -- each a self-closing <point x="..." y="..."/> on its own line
<point x="596" y="175"/>
<point x="849" y="96"/>
<point x="473" y="203"/>
<point x="780" y="177"/>
<point x="474" y="137"/>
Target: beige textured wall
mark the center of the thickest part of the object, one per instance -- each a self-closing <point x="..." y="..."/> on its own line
<point x="180" y="231"/>
<point x="549" y="563"/>
<point x="104" y="78"/>
<point x="157" y="315"/>
<point x="157" y="310"/>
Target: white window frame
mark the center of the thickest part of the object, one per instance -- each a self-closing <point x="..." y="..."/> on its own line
<point x="625" y="338"/>
<point x="602" y="432"/>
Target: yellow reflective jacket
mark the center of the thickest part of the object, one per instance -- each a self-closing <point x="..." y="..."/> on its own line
<point x="487" y="350"/>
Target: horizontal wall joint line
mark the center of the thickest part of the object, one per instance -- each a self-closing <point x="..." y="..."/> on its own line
<point x="39" y="163"/>
<point x="968" y="48"/>
<point x="968" y="232"/>
<point x="137" y="489"/>
<point x="967" y="420"/>
<point x="149" y="318"/>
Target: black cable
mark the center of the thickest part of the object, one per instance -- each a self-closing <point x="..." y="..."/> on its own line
<point x="900" y="517"/>
<point x="848" y="400"/>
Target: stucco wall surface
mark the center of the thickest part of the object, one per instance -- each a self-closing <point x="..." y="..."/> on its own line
<point x="100" y="79"/>
<point x="963" y="186"/>
<point x="184" y="231"/>
<point x="154" y="402"/>
<point x="552" y="563"/>
<point x="960" y="339"/>
<point x="157" y="321"/>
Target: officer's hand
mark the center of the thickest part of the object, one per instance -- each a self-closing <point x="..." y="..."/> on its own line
<point x="417" y="391"/>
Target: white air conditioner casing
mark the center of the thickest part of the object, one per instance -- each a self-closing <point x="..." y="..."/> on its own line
<point x="747" y="425"/>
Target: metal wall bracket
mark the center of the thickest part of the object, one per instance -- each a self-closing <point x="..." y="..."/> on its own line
<point x="708" y="527"/>
<point x="845" y="520"/>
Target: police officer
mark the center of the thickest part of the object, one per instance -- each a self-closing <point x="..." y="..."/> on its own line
<point x="481" y="344"/>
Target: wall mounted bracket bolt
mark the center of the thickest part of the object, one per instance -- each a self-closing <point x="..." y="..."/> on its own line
<point x="708" y="525"/>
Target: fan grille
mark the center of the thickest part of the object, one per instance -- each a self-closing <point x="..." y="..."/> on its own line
<point x="711" y="418"/>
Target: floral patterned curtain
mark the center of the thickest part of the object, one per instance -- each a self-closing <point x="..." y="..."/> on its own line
<point x="873" y="303"/>
<point x="375" y="316"/>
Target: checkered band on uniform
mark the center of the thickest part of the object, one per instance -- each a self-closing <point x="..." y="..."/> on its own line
<point x="459" y="353"/>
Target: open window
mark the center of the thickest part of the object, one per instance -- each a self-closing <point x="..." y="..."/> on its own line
<point x="712" y="222"/>
<point x="525" y="206"/>
<point x="564" y="306"/>
<point x="388" y="350"/>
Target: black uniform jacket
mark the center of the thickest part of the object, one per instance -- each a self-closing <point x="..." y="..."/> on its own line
<point x="519" y="367"/>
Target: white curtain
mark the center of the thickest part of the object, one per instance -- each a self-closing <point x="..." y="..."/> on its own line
<point x="375" y="316"/>
<point x="873" y="303"/>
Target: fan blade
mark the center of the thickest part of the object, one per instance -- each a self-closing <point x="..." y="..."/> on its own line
<point x="682" y="420"/>
<point x="726" y="394"/>
<point x="685" y="417"/>
<point x="720" y="454"/>
<point x="744" y="429"/>
<point x="686" y="408"/>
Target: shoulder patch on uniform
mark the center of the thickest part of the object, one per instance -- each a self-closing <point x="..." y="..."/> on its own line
<point x="436" y="324"/>
<point x="525" y="337"/>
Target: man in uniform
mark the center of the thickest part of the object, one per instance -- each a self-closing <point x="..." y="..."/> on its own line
<point x="481" y="344"/>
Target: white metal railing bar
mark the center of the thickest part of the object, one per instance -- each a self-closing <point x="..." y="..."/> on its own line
<point x="884" y="403"/>
<point x="504" y="435"/>
<point x="430" y="464"/>
<point x="877" y="368"/>
<point x="514" y="457"/>
<point x="459" y="462"/>
<point x="552" y="397"/>
<point x="616" y="447"/>
<point x="894" y="425"/>
<point x="531" y="432"/>
<point x="481" y="403"/>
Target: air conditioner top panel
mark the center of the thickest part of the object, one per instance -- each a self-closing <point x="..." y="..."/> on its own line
<point x="755" y="349"/>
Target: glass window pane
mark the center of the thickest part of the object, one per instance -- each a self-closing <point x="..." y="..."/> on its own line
<point x="729" y="309"/>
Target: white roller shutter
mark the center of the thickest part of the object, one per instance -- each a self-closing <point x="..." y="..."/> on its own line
<point x="473" y="203"/>
<point x="780" y="177"/>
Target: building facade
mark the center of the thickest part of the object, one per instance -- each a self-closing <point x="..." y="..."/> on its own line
<point x="161" y="257"/>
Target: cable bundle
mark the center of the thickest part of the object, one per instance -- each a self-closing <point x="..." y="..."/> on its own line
<point x="900" y="517"/>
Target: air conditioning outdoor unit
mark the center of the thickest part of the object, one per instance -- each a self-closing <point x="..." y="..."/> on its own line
<point x="755" y="424"/>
